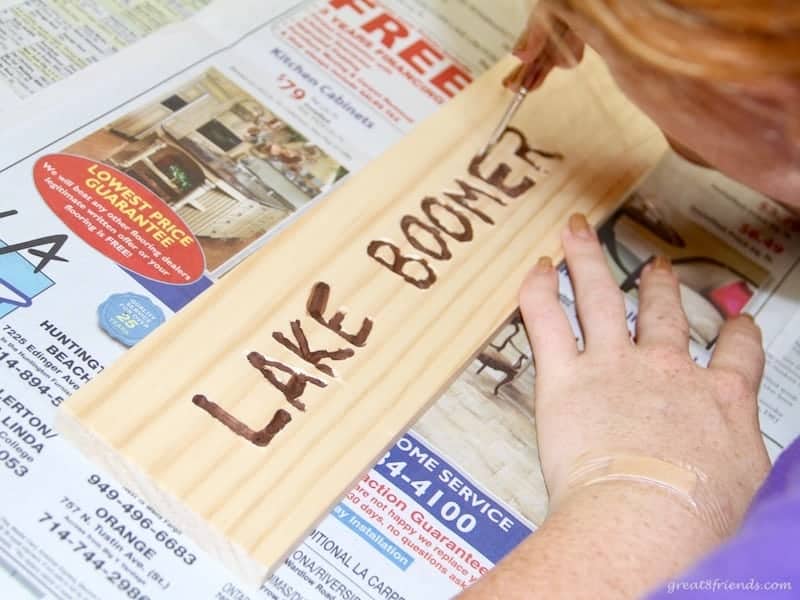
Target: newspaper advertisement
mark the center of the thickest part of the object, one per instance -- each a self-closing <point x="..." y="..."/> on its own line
<point x="123" y="208"/>
<point x="134" y="210"/>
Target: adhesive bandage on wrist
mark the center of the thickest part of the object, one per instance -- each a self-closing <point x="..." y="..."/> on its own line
<point x="684" y="482"/>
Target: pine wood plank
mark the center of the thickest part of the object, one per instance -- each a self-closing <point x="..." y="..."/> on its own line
<point x="144" y="419"/>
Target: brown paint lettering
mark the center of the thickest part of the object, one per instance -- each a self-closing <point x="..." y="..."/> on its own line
<point x="470" y="193"/>
<point x="399" y="262"/>
<point x="442" y="253"/>
<point x="499" y="176"/>
<point x="262" y="437"/>
<point x="525" y="150"/>
<point x="294" y="387"/>
<point x="466" y="233"/>
<point x="315" y="357"/>
<point x="318" y="303"/>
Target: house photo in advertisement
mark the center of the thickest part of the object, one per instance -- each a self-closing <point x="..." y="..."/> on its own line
<point x="229" y="167"/>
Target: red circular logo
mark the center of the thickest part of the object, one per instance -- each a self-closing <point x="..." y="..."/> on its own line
<point x="119" y="217"/>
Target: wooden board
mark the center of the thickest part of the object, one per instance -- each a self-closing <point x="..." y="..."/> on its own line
<point x="243" y="434"/>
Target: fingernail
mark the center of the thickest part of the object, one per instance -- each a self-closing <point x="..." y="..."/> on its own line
<point x="747" y="316"/>
<point x="579" y="226"/>
<point x="544" y="265"/>
<point x="662" y="263"/>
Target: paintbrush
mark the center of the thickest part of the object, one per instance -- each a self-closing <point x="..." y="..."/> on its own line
<point x="529" y="77"/>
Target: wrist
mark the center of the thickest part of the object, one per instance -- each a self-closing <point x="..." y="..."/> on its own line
<point x="682" y="483"/>
<point x="636" y="534"/>
<point x="634" y="508"/>
<point x="611" y="540"/>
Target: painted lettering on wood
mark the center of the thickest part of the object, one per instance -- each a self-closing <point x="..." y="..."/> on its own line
<point x="431" y="235"/>
<point x="428" y="235"/>
<point x="296" y="381"/>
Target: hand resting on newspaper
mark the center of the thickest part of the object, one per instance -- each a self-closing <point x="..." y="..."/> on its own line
<point x="641" y="449"/>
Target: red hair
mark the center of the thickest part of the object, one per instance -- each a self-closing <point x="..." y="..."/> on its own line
<point x="723" y="40"/>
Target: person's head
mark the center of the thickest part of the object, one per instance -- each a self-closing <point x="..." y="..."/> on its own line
<point x="720" y="77"/>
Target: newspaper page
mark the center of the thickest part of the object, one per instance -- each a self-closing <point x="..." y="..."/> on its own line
<point x="136" y="205"/>
<point x="45" y="41"/>
<point x="272" y="108"/>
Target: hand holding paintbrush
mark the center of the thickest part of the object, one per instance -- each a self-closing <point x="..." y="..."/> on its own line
<point x="547" y="42"/>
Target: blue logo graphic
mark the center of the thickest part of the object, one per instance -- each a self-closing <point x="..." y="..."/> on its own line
<point x="19" y="284"/>
<point x="128" y="318"/>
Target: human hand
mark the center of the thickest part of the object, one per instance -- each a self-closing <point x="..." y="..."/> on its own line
<point x="646" y="398"/>
<point x="547" y="42"/>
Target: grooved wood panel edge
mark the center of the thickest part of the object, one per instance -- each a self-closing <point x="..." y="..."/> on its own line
<point x="129" y="475"/>
<point x="148" y="419"/>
